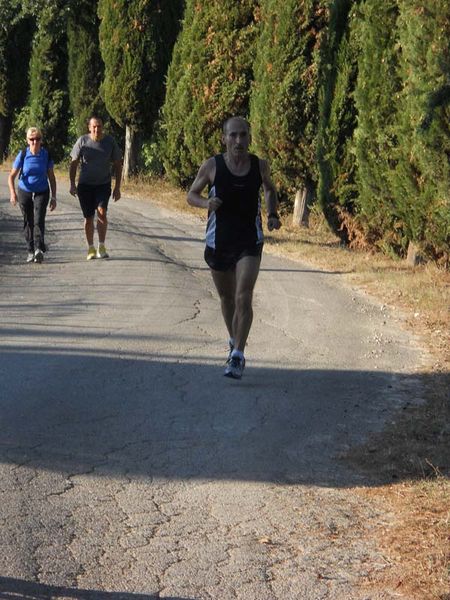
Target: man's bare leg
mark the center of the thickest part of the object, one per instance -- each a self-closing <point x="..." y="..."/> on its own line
<point x="225" y="282"/>
<point x="89" y="230"/>
<point x="102" y="224"/>
<point x="247" y="270"/>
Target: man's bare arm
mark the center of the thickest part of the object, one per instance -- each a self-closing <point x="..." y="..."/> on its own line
<point x="72" y="176"/>
<point x="205" y="176"/>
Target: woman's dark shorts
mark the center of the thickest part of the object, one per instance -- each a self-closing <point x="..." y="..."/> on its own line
<point x="93" y="196"/>
<point x="225" y="260"/>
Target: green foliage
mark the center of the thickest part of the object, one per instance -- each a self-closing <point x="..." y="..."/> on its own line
<point x="85" y="66"/>
<point x="377" y="101"/>
<point x="20" y="123"/>
<point x="48" y="101"/>
<point x="284" y="101"/>
<point x="421" y="181"/>
<point x="15" y="44"/>
<point x="136" y="39"/>
<point x="153" y="151"/>
<point x="208" y="81"/>
<point x="337" y="121"/>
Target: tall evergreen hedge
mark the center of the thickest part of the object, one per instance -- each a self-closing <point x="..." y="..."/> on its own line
<point x="15" y="46"/>
<point x="337" y="120"/>
<point x="421" y="181"/>
<point x="377" y="102"/>
<point x="136" y="39"/>
<point x="284" y="101"/>
<point x="48" y="100"/>
<point x="85" y="66"/>
<point x="208" y="80"/>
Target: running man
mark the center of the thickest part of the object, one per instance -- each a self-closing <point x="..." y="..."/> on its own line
<point x="96" y="151"/>
<point x="234" y="236"/>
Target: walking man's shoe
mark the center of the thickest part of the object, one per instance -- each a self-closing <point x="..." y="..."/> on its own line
<point x="102" y="252"/>
<point x="92" y="253"/>
<point x="30" y="257"/>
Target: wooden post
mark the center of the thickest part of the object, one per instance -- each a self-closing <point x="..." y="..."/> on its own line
<point x="303" y="199"/>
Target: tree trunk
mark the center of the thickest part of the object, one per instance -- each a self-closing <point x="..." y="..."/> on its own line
<point x="413" y="256"/>
<point x="303" y="200"/>
<point x="132" y="152"/>
<point x="5" y="132"/>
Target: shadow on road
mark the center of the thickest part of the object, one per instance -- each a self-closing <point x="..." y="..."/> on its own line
<point x="164" y="416"/>
<point x="13" y="589"/>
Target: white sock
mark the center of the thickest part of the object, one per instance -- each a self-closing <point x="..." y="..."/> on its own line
<point x="231" y="342"/>
<point x="237" y="353"/>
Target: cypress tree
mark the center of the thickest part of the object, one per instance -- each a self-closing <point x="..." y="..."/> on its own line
<point x="48" y="99"/>
<point x="421" y="181"/>
<point x="208" y="81"/>
<point x="376" y="99"/>
<point x="337" y="121"/>
<point x="85" y="65"/>
<point x="284" y="101"/>
<point x="136" y="39"/>
<point x="15" y="47"/>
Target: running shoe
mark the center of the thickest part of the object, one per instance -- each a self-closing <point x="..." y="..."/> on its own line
<point x="30" y="257"/>
<point x="101" y="252"/>
<point x="235" y="367"/>
<point x="92" y="253"/>
<point x="38" y="256"/>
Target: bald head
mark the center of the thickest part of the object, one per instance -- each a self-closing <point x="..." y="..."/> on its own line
<point x="233" y="121"/>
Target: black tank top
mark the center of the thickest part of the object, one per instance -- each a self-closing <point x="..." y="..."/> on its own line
<point x="237" y="223"/>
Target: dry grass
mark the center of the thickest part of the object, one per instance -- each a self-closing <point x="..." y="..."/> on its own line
<point x="416" y="545"/>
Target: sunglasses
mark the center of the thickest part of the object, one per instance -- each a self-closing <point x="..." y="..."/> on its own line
<point x="34" y="139"/>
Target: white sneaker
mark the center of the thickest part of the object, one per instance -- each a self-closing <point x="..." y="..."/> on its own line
<point x="38" y="256"/>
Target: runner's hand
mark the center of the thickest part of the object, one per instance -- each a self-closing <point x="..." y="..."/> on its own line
<point x="273" y="222"/>
<point x="73" y="190"/>
<point x="214" y="203"/>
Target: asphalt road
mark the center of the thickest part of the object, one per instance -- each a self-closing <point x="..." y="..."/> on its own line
<point x="131" y="469"/>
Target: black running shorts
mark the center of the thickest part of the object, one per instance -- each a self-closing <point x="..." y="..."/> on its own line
<point x="225" y="260"/>
<point x="93" y="196"/>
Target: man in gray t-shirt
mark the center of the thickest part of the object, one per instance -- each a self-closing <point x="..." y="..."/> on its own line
<point x="95" y="152"/>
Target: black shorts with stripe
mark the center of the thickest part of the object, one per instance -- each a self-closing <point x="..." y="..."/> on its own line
<point x="226" y="260"/>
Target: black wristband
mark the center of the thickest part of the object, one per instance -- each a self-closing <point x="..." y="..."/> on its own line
<point x="273" y="215"/>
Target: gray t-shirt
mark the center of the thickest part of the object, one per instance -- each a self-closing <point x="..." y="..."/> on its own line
<point x="95" y="158"/>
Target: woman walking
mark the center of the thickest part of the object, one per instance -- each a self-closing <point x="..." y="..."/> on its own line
<point x="35" y="170"/>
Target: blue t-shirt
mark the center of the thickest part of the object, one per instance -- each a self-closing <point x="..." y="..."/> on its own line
<point x="34" y="171"/>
